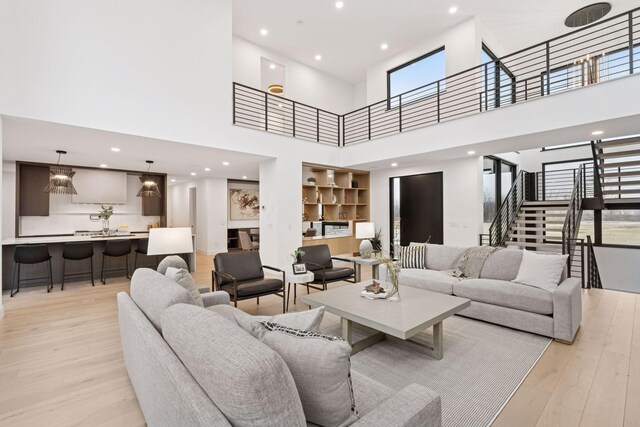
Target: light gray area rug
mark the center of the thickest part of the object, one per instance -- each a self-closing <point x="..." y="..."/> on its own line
<point x="482" y="367"/>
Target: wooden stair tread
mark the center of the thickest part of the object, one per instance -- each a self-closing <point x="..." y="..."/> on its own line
<point x="534" y="221"/>
<point x="541" y="215"/>
<point x="622" y="200"/>
<point x="546" y="203"/>
<point x="535" y="245"/>
<point x="543" y="208"/>
<point x="548" y="230"/>
<point x="614" y="154"/>
<point x="619" y="164"/>
<point x="623" y="191"/>
<point x="620" y="183"/>
<point x="619" y="174"/>
<point x="618" y="142"/>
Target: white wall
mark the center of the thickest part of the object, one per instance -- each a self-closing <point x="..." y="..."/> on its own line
<point x="211" y="212"/>
<point x="8" y="199"/>
<point x="302" y="83"/>
<point x="462" y="51"/>
<point x="619" y="268"/>
<point x="66" y="217"/>
<point x="532" y="160"/>
<point x="462" y="188"/>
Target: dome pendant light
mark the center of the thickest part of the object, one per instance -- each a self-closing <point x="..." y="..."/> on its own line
<point x="149" y="184"/>
<point x="60" y="178"/>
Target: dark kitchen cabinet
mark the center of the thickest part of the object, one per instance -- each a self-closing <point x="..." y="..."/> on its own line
<point x="156" y="206"/>
<point x="33" y="200"/>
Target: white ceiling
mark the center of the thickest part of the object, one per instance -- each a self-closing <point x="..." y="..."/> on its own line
<point x="349" y="39"/>
<point x="37" y="141"/>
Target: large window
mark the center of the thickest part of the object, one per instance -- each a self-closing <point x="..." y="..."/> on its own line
<point x="425" y="70"/>
<point x="621" y="227"/>
<point x="497" y="82"/>
<point x="497" y="177"/>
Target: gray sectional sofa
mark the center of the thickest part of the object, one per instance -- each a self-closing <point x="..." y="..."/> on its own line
<point x="219" y="355"/>
<point x="494" y="298"/>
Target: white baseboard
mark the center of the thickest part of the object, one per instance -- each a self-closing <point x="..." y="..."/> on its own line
<point x="1" y="310"/>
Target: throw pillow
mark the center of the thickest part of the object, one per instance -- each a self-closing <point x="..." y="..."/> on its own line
<point x="304" y="320"/>
<point x="182" y="277"/>
<point x="321" y="369"/>
<point x="541" y="270"/>
<point x="412" y="256"/>
<point x="171" y="261"/>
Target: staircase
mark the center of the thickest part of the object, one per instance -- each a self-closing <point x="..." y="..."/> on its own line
<point x="538" y="226"/>
<point x="617" y="166"/>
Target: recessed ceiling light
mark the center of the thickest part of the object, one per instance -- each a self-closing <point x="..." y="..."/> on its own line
<point x="318" y="57"/>
<point x="384" y="46"/>
<point x="471" y="152"/>
<point x="264" y="32"/>
<point x="244" y="176"/>
<point x="103" y="165"/>
<point x="115" y="149"/>
<point x="393" y="165"/>
<point x="173" y="180"/>
<point x="207" y="169"/>
<point x="193" y="174"/>
<point x="225" y="163"/>
<point x="597" y="132"/>
<point x="272" y="66"/>
<point x="339" y="4"/>
<point x="453" y="9"/>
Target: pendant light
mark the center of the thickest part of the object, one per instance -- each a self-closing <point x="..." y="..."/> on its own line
<point x="60" y="178"/>
<point x="149" y="184"/>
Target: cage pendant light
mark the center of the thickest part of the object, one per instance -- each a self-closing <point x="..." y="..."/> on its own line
<point x="60" y="178"/>
<point x="149" y="184"/>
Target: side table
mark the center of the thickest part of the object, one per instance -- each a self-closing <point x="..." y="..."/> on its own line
<point x="296" y="279"/>
<point x="374" y="262"/>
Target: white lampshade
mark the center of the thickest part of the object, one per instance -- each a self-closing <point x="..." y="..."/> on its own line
<point x="365" y="230"/>
<point x="169" y="241"/>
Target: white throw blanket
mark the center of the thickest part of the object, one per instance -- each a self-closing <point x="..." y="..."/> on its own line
<point x="470" y="264"/>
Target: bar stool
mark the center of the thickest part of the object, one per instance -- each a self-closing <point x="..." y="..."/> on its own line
<point x="30" y="254"/>
<point x="77" y="252"/>
<point x="142" y="248"/>
<point x="116" y="249"/>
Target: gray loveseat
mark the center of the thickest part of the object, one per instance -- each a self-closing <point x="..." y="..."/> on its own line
<point x="219" y="355"/>
<point x="494" y="298"/>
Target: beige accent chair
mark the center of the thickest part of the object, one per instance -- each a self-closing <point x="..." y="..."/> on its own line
<point x="245" y="242"/>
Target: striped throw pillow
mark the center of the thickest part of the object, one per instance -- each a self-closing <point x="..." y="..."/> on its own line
<point x="413" y="256"/>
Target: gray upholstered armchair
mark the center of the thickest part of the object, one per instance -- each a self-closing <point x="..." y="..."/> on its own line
<point x="241" y="275"/>
<point x="318" y="260"/>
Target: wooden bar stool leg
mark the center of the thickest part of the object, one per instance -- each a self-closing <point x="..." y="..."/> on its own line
<point x="91" y="261"/>
<point x="50" y="287"/>
<point x="16" y="271"/>
<point x="102" y="272"/>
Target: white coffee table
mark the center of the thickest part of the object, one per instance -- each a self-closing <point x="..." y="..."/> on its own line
<point x="297" y="279"/>
<point x="416" y="311"/>
<point x="374" y="262"/>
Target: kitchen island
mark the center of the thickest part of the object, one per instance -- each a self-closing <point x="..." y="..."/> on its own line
<point x="56" y="245"/>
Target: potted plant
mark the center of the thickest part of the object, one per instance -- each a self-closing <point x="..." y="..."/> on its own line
<point x="296" y="256"/>
<point x="104" y="214"/>
<point x="311" y="180"/>
<point x="376" y="242"/>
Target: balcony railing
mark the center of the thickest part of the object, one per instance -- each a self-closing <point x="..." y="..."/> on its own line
<point x="600" y="52"/>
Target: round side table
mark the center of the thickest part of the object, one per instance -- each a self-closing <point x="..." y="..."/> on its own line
<point x="297" y="279"/>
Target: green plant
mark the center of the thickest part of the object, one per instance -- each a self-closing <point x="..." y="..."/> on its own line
<point x="297" y="254"/>
<point x="311" y="179"/>
<point x="105" y="212"/>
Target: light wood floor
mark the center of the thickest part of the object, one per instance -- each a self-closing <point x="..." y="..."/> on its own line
<point x="61" y="363"/>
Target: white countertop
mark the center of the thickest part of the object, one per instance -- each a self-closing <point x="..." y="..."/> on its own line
<point x="67" y="239"/>
<point x="327" y="237"/>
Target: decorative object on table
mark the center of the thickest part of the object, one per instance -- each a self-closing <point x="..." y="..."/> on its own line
<point x="244" y="204"/>
<point x="311" y="180"/>
<point x="149" y="184"/>
<point x="374" y="291"/>
<point x="299" y="268"/>
<point x="305" y="216"/>
<point x="311" y="232"/>
<point x="334" y="199"/>
<point x="394" y="266"/>
<point x="376" y="242"/>
<point x="104" y="214"/>
<point x="297" y="255"/>
<point x="60" y="178"/>
<point x="170" y="241"/>
<point x="365" y="231"/>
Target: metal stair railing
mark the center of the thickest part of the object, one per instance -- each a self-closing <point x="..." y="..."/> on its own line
<point x="519" y="193"/>
<point x="593" y="273"/>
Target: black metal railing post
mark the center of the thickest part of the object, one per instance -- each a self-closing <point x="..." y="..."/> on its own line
<point x="548" y="58"/>
<point x="486" y="87"/>
<point x="266" y="112"/>
<point x="234" y="103"/>
<point x="317" y="125"/>
<point x="293" y="125"/>
<point x="631" y="43"/>
<point x="438" y="96"/>
<point x="369" y="120"/>
<point x="400" y="113"/>
<point x="340" y="143"/>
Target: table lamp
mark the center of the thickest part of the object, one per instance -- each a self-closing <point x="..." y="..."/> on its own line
<point x="170" y="241"/>
<point x="365" y="231"/>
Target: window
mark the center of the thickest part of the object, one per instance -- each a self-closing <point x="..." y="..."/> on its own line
<point x="422" y="71"/>
<point x="499" y="88"/>
<point x="497" y="177"/>
<point x="621" y="227"/>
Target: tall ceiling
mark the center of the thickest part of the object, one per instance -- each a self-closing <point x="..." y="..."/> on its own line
<point x="349" y="39"/>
